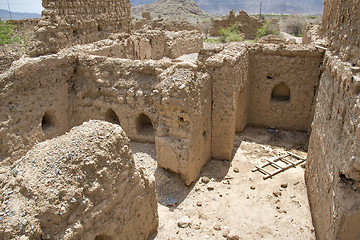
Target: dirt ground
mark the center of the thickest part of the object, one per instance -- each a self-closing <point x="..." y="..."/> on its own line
<point x="236" y="203"/>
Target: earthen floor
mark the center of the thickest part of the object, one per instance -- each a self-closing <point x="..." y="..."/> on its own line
<point x="236" y="203"/>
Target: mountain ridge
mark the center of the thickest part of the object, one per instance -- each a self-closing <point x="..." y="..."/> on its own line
<point x="252" y="7"/>
<point x="4" y="15"/>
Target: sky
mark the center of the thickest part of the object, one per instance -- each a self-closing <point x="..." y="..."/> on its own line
<point x="29" y="6"/>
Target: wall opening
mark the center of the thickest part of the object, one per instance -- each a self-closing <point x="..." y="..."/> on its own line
<point x="144" y="125"/>
<point x="103" y="237"/>
<point x="111" y="117"/>
<point x="48" y="123"/>
<point x="280" y="93"/>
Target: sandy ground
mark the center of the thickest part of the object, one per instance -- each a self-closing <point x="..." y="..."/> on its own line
<point x="236" y="203"/>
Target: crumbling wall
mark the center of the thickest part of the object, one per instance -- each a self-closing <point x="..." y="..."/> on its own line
<point x="151" y="44"/>
<point x="333" y="165"/>
<point x="163" y="24"/>
<point x="66" y="23"/>
<point x="248" y="84"/>
<point x="122" y="86"/>
<point x="183" y="139"/>
<point x="247" y="25"/>
<point x="82" y="185"/>
<point x="183" y="42"/>
<point x="34" y="103"/>
<point x="292" y="68"/>
<point x="341" y="25"/>
<point x="228" y="69"/>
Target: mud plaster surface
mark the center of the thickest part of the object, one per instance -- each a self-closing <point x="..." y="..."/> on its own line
<point x="232" y="208"/>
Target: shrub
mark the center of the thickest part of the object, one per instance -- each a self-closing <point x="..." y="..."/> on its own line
<point x="7" y="33"/>
<point x="230" y="34"/>
<point x="293" y="25"/>
<point x="267" y="29"/>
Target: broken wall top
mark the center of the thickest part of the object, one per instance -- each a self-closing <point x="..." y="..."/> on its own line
<point x="66" y="23"/>
<point x="341" y="25"/>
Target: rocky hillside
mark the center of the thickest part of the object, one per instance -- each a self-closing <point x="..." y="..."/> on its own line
<point x="170" y="9"/>
<point x="252" y="7"/>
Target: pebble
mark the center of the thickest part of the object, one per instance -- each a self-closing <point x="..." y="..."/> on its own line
<point x="184" y="222"/>
<point x="199" y="204"/>
<point x="210" y="188"/>
<point x="225" y="233"/>
<point x="277" y="194"/>
<point x="217" y="227"/>
<point x="252" y="187"/>
<point x="236" y="170"/>
<point x="284" y="185"/>
<point x="232" y="237"/>
<point x="205" y="180"/>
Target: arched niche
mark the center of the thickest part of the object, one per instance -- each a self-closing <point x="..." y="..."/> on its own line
<point x="144" y="125"/>
<point x="48" y="124"/>
<point x="280" y="93"/>
<point x="112" y="117"/>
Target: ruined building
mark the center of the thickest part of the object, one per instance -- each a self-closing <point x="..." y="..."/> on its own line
<point x="190" y="109"/>
<point x="247" y="25"/>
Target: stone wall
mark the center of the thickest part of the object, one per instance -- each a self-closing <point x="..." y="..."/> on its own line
<point x="293" y="68"/>
<point x="66" y="23"/>
<point x="82" y="185"/>
<point x="341" y="25"/>
<point x="247" y="25"/>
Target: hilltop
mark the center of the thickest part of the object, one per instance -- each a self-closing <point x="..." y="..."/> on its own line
<point x="170" y="9"/>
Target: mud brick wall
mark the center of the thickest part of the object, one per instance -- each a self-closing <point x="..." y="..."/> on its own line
<point x="228" y="69"/>
<point x="341" y="24"/>
<point x="34" y="88"/>
<point x="65" y="23"/>
<point x="297" y="69"/>
<point x="333" y="164"/>
<point x="183" y="138"/>
<point x="247" y="25"/>
<point x="118" y="90"/>
<point x="152" y="44"/>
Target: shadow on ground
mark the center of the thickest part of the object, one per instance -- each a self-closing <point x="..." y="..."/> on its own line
<point x="171" y="189"/>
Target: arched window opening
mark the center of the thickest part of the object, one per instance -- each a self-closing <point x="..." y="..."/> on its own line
<point x="280" y="93"/>
<point x="144" y="125"/>
<point x="111" y="117"/>
<point x="48" y="123"/>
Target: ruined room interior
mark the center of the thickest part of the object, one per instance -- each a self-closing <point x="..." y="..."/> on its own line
<point x="93" y="91"/>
